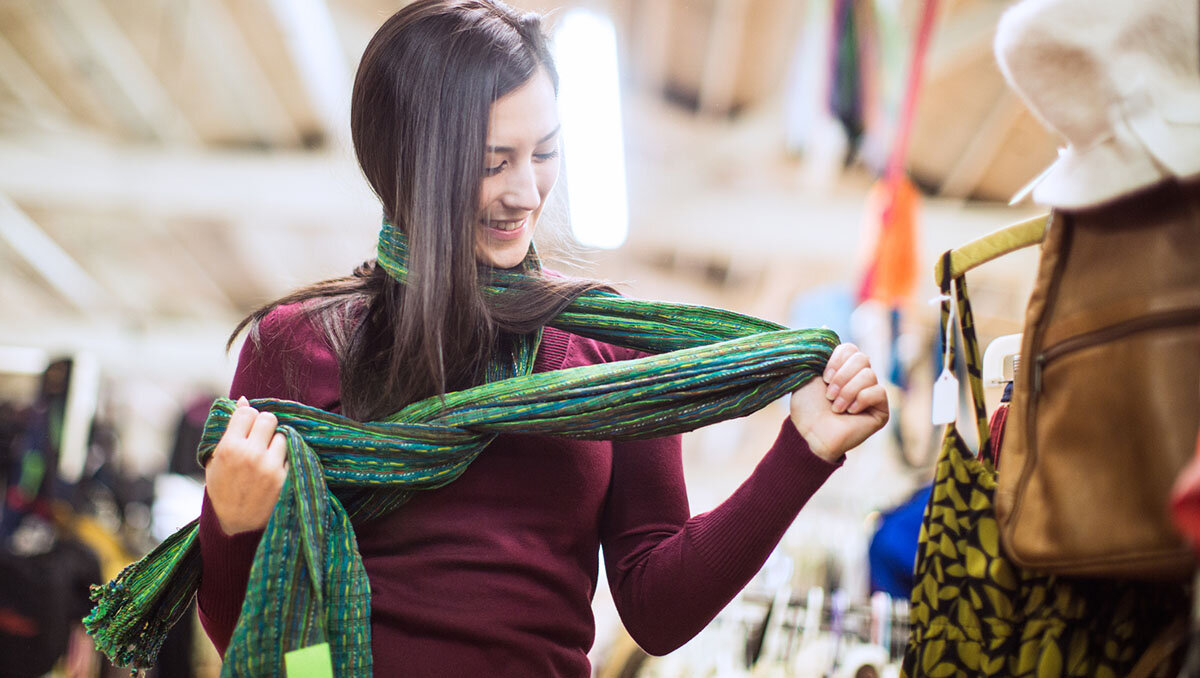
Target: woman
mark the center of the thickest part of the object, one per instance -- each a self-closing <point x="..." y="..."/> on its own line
<point x="455" y="128"/>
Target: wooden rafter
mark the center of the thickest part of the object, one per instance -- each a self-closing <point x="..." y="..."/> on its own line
<point x="244" y="77"/>
<point x="962" y="38"/>
<point x="24" y="82"/>
<point x="214" y="184"/>
<point x="315" y="50"/>
<point x="58" y="268"/>
<point x="33" y="37"/>
<point x="88" y="30"/>
<point x="984" y="146"/>
<point x="228" y="260"/>
<point x="653" y="42"/>
<point x="720" y="72"/>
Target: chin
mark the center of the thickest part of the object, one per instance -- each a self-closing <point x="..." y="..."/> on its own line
<point x="503" y="261"/>
<point x="494" y="259"/>
<point x="508" y="257"/>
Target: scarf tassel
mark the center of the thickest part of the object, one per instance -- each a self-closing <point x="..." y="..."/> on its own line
<point x="134" y="611"/>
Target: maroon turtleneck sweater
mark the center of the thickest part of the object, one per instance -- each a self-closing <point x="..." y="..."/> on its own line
<point x="494" y="573"/>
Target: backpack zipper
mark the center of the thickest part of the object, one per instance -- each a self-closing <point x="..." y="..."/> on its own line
<point x="1157" y="321"/>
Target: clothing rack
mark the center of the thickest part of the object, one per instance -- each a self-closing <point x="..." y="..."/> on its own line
<point x="781" y="632"/>
<point x="881" y="621"/>
<point x="83" y="394"/>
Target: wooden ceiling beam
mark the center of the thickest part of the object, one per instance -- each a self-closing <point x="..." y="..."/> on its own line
<point x="25" y="84"/>
<point x="312" y="42"/>
<point x="354" y="30"/>
<point x="227" y="252"/>
<point x="50" y="260"/>
<point x="722" y="57"/>
<point x="87" y="29"/>
<point x="240" y="71"/>
<point x="984" y="146"/>
<point x="653" y="42"/>
<point x="24" y="24"/>
<point x="301" y="187"/>
<point x="962" y="38"/>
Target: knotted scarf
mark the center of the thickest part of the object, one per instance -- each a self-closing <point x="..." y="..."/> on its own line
<point x="307" y="584"/>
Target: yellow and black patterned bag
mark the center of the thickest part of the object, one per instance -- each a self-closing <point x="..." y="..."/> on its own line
<point x="974" y="613"/>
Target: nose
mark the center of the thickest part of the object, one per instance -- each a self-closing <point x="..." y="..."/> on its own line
<point x="522" y="192"/>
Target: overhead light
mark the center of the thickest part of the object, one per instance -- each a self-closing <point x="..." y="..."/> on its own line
<point x="585" y="48"/>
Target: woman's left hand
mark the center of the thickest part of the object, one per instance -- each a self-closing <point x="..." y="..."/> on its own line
<point x="843" y="408"/>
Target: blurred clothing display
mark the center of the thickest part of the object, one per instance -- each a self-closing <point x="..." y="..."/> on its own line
<point x="894" y="546"/>
<point x="42" y="598"/>
<point x="187" y="437"/>
<point x="32" y="471"/>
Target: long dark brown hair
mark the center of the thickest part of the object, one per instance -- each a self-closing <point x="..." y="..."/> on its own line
<point x="419" y="122"/>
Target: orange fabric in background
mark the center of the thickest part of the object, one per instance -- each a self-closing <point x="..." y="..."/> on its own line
<point x="892" y="207"/>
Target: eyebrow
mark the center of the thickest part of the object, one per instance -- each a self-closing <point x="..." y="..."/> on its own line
<point x="510" y="149"/>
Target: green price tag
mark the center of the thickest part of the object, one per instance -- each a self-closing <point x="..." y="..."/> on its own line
<point x="310" y="662"/>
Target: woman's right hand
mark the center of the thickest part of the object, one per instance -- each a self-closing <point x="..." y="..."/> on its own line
<point x="247" y="470"/>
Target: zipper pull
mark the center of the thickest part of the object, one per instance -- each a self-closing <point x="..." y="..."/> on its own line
<point x="1038" y="364"/>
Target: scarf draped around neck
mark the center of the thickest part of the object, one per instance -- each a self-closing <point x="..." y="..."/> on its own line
<point x="307" y="584"/>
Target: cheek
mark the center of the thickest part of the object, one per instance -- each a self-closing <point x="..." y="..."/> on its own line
<point x="547" y="176"/>
<point x="489" y="191"/>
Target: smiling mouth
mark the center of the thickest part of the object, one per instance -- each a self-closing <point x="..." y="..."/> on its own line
<point x="505" y="225"/>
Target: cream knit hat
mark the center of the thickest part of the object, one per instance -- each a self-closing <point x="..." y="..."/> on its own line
<point x="1119" y="79"/>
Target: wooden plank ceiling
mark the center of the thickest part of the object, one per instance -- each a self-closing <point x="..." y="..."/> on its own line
<point x="190" y="157"/>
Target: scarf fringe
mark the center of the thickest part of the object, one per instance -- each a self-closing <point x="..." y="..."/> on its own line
<point x="134" y="611"/>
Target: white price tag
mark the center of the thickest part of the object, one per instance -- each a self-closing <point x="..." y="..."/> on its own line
<point x="945" y="398"/>
<point x="945" y="389"/>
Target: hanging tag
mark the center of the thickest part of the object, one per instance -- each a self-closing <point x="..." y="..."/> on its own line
<point x="309" y="662"/>
<point x="945" y="389"/>
<point x="945" y="398"/>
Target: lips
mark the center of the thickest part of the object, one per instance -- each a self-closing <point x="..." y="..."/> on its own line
<point x="506" y="225"/>
<point x="506" y="229"/>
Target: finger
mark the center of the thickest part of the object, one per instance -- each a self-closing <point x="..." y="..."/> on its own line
<point x="853" y="365"/>
<point x="871" y="396"/>
<point x="241" y="421"/>
<point x="848" y="393"/>
<point x="837" y="359"/>
<point x="277" y="452"/>
<point x="264" y="428"/>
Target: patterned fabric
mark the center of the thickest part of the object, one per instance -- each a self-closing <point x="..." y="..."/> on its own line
<point x="976" y="614"/>
<point x="307" y="583"/>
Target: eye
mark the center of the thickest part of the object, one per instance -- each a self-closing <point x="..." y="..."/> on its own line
<point x="493" y="171"/>
<point x="546" y="156"/>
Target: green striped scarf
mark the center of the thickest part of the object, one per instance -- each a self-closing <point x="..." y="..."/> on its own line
<point x="307" y="584"/>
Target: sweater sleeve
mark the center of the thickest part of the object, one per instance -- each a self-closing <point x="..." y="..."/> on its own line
<point x="671" y="574"/>
<point x="289" y="360"/>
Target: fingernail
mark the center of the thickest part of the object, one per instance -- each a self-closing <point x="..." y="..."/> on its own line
<point x="828" y="375"/>
<point x="839" y="405"/>
<point x="832" y="391"/>
<point x="242" y="402"/>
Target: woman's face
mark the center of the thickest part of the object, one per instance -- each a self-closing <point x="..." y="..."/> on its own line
<point x="521" y="165"/>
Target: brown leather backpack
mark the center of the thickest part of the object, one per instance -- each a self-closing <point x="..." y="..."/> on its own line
<point x="1107" y="401"/>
